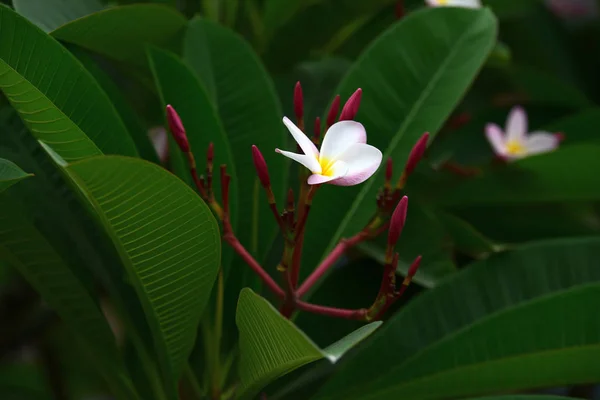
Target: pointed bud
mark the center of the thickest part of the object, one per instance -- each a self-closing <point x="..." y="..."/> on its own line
<point x="388" y="171"/>
<point x="351" y="107"/>
<point x="177" y="129"/>
<point x="298" y="102"/>
<point x="414" y="267"/>
<point x="333" y="111"/>
<point x="416" y="154"/>
<point x="397" y="222"/>
<point x="210" y="154"/>
<point x="261" y="167"/>
<point x="317" y="130"/>
<point x="400" y="11"/>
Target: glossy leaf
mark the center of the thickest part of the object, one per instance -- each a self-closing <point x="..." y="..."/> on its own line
<point x="167" y="240"/>
<point x="271" y="346"/>
<point x="130" y="118"/>
<point x="23" y="247"/>
<point x="435" y="71"/>
<point x="247" y="104"/>
<point x="50" y="14"/>
<point x="60" y="102"/>
<point x="540" y="179"/>
<point x="502" y="324"/>
<point x="10" y="174"/>
<point x="123" y="32"/>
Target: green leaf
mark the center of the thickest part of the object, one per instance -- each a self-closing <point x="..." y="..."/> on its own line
<point x="57" y="98"/>
<point x="23" y="247"/>
<point x="167" y="240"/>
<point x="536" y="179"/>
<point x="271" y="346"/>
<point x="524" y="397"/>
<point x="408" y="89"/>
<point x="10" y="174"/>
<point x="502" y="324"/>
<point x="50" y="14"/>
<point x="123" y="32"/>
<point x="251" y="114"/>
<point x="466" y="238"/>
<point x="179" y="87"/>
<point x="132" y="121"/>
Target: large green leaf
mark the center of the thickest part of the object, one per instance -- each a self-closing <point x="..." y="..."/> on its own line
<point x="123" y="32"/>
<point x="168" y="242"/>
<point x="50" y="14"/>
<point x="536" y="179"/>
<point x="271" y="346"/>
<point x="10" y="174"/>
<point x="248" y="107"/>
<point x="412" y="76"/>
<point x="130" y="118"/>
<point x="57" y="98"/>
<point x="516" y="320"/>
<point x="23" y="247"/>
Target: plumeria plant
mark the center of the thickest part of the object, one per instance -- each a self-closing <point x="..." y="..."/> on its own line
<point x="182" y="219"/>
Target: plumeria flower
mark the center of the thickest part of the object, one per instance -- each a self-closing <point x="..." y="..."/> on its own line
<point x="454" y="3"/>
<point x="516" y="143"/>
<point x="345" y="159"/>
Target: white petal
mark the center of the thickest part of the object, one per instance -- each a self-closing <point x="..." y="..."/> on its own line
<point x="362" y="160"/>
<point x="541" y="142"/>
<point x="516" y="124"/>
<point x="454" y="3"/>
<point x="496" y="138"/>
<point x="338" y="170"/>
<point x="307" y="146"/>
<point x="309" y="162"/>
<point x="340" y="137"/>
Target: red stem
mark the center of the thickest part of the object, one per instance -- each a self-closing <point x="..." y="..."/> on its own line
<point x="359" y="314"/>
<point x="329" y="261"/>
<point x="252" y="263"/>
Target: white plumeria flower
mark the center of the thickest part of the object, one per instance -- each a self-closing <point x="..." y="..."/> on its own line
<point x="454" y="3"/>
<point x="345" y="158"/>
<point x="516" y="143"/>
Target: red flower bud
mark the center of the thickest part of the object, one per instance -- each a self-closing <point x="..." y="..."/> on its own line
<point x="412" y="270"/>
<point x="416" y="154"/>
<point x="397" y="222"/>
<point x="333" y="111"/>
<point x="298" y="102"/>
<point x="351" y="107"/>
<point x="400" y="11"/>
<point x="261" y="167"/>
<point x="210" y="153"/>
<point x="559" y="136"/>
<point x="177" y="129"/>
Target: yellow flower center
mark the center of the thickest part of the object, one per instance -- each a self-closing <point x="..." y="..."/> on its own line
<point x="443" y="2"/>
<point x="515" y="148"/>
<point x="326" y="166"/>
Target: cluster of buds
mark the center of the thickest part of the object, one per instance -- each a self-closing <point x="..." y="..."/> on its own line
<point x="292" y="219"/>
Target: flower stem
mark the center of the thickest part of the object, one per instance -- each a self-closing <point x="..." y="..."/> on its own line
<point x="358" y="314"/>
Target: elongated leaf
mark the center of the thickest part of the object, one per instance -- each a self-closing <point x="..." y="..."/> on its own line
<point x="271" y="346"/>
<point x="168" y="242"/>
<point x="57" y="98"/>
<point x="412" y="76"/>
<point x="247" y="104"/>
<point x="123" y="32"/>
<point x="50" y="14"/>
<point x="136" y="128"/>
<point x="537" y="179"/>
<point x="23" y="247"/>
<point x="10" y="174"/>
<point x="502" y="324"/>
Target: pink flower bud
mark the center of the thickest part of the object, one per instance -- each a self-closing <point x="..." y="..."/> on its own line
<point x="333" y="111"/>
<point x="210" y="153"/>
<point x="177" y="129"/>
<point x="351" y="107"/>
<point x="261" y="167"/>
<point x="412" y="270"/>
<point x="416" y="154"/>
<point x="397" y="221"/>
<point x="298" y="102"/>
